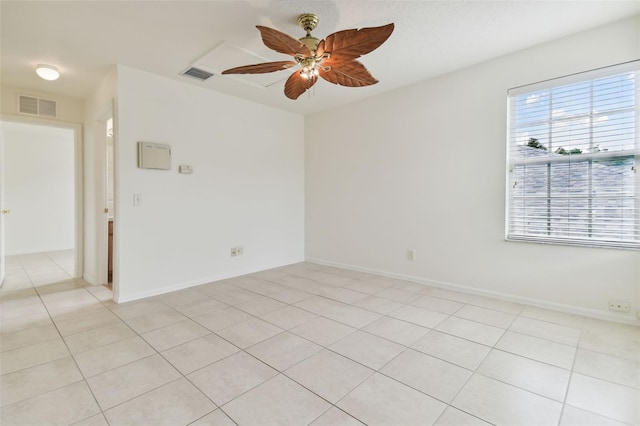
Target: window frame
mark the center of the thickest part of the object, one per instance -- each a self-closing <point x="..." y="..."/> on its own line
<point x="511" y="163"/>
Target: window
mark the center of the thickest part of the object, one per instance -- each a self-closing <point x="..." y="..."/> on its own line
<point x="573" y="159"/>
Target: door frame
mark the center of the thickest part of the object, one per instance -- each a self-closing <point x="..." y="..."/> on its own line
<point x="78" y="178"/>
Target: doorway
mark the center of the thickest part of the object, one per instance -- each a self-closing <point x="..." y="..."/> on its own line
<point x="41" y="185"/>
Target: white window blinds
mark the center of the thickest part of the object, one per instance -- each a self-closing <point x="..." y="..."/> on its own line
<point x="573" y="155"/>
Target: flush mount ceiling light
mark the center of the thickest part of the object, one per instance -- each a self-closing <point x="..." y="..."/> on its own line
<point x="47" y="72"/>
<point x="333" y="59"/>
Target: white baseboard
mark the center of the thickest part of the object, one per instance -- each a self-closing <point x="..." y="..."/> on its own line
<point x="571" y="309"/>
<point x="90" y="279"/>
<point x="181" y="286"/>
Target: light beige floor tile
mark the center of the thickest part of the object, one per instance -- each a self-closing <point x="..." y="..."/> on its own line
<point x="452" y="349"/>
<point x="290" y="295"/>
<point x="204" y="306"/>
<point x="101" y="293"/>
<point x="223" y="318"/>
<point x="604" y="398"/>
<point x="198" y="353"/>
<point x="329" y="375"/>
<point x="471" y="330"/>
<point x="182" y="298"/>
<point x="419" y="316"/>
<point x="398" y="295"/>
<point x="449" y="294"/>
<point x="174" y="335"/>
<point x="283" y="350"/>
<point x="372" y="351"/>
<point x="500" y="403"/>
<point x="618" y="370"/>
<point x="176" y="403"/>
<point x="398" y="331"/>
<point x="123" y="383"/>
<point x="231" y="296"/>
<point x="369" y="287"/>
<point x="24" y="322"/>
<point x="154" y="321"/>
<point x="260" y="305"/>
<point x="534" y="376"/>
<point x="427" y="374"/>
<point x="20" y="311"/>
<point x="28" y="337"/>
<point x="497" y="304"/>
<point x="378" y="304"/>
<point x="288" y="317"/>
<point x="132" y="310"/>
<point x="619" y="340"/>
<point x="37" y="380"/>
<point x="322" y="331"/>
<point x="19" y="298"/>
<point x="215" y="418"/>
<point x="231" y="377"/>
<point x="455" y="417"/>
<point x="556" y="317"/>
<point x="30" y="356"/>
<point x="335" y="417"/>
<point x="62" y="406"/>
<point x="108" y="357"/>
<point x="486" y="316"/>
<point x="343" y="295"/>
<point x="437" y="304"/>
<point x="539" y="349"/>
<point x="572" y="416"/>
<point x="384" y="401"/>
<point x="260" y="286"/>
<point x="278" y="401"/>
<point x="97" y="337"/>
<point x="78" y="324"/>
<point x="546" y="330"/>
<point x="338" y="311"/>
<point x="96" y="420"/>
<point x="249" y="333"/>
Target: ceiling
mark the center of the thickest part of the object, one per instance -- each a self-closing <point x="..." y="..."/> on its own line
<point x="84" y="38"/>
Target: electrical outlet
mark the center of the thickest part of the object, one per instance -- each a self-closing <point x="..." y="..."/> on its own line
<point x="616" y="305"/>
<point x="411" y="255"/>
<point x="234" y="251"/>
<point x="239" y="251"/>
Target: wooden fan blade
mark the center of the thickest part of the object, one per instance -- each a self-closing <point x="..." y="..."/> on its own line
<point x="350" y="73"/>
<point x="351" y="44"/>
<point x="281" y="42"/>
<point x="296" y="85"/>
<point x="261" y="68"/>
<point x="320" y="49"/>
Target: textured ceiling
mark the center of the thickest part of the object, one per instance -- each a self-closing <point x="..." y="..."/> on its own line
<point x="83" y="38"/>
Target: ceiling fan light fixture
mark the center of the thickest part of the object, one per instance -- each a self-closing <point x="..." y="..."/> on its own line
<point x="47" y="72"/>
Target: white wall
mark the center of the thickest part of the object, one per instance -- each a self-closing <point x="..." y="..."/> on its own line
<point x="423" y="168"/>
<point x="39" y="188"/>
<point x="247" y="188"/>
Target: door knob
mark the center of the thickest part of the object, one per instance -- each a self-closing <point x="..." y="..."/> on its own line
<point x="6" y="211"/>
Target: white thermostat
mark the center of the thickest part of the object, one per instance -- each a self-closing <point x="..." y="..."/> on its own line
<point x="154" y="156"/>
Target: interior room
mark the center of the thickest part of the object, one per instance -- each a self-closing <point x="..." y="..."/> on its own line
<point x="320" y="213"/>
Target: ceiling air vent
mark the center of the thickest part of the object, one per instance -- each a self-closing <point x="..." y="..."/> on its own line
<point x="36" y="106"/>
<point x="194" y="72"/>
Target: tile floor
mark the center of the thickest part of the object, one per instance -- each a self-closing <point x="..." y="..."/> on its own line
<point x="37" y="269"/>
<point x="308" y="344"/>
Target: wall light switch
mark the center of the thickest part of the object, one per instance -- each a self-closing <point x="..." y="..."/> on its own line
<point x="185" y="169"/>
<point x="137" y="200"/>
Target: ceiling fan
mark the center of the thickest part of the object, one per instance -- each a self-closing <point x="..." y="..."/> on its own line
<point x="333" y="59"/>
